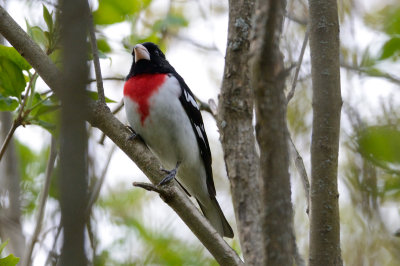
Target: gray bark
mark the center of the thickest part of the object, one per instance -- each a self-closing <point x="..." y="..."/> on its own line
<point x="235" y="114"/>
<point x="268" y="81"/>
<point x="327" y="102"/>
<point x="73" y="182"/>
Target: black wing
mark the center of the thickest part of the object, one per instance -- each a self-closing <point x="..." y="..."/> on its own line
<point x="191" y="107"/>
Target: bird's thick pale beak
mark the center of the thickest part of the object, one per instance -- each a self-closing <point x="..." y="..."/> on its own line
<point x="141" y="52"/>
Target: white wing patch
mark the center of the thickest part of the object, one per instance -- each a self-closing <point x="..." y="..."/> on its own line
<point x="190" y="99"/>
<point x="200" y="133"/>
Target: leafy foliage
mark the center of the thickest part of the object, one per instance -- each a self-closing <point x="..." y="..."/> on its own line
<point x="115" y="11"/>
<point x="10" y="260"/>
<point x="32" y="166"/>
<point x="381" y="143"/>
<point x="12" y="80"/>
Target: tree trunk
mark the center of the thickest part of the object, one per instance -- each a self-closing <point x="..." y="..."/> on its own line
<point x="268" y="81"/>
<point x="327" y="102"/>
<point x="235" y="114"/>
<point x="73" y="140"/>
<point x="10" y="215"/>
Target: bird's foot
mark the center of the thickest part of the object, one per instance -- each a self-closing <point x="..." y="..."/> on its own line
<point x="170" y="174"/>
<point x="133" y="135"/>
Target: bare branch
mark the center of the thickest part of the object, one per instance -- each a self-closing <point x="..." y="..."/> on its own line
<point x="150" y="187"/>
<point x="115" y="111"/>
<point x="42" y="202"/>
<point x="299" y="62"/>
<point x="108" y="78"/>
<point x="53" y="252"/>
<point x="298" y="161"/>
<point x="366" y="72"/>
<point x="97" y="187"/>
<point x="96" y="61"/>
<point x="292" y="17"/>
<point x="20" y="117"/>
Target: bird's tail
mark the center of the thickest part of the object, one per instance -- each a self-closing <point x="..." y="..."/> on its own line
<point x="216" y="217"/>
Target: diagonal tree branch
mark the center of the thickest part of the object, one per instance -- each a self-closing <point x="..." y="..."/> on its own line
<point x="101" y="117"/>
<point x="369" y="73"/>
<point x="296" y="74"/>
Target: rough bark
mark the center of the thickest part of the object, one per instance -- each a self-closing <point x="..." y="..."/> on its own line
<point x="268" y="81"/>
<point x="10" y="215"/>
<point x="101" y="117"/>
<point x="235" y="114"/>
<point x="327" y="102"/>
<point x="73" y="182"/>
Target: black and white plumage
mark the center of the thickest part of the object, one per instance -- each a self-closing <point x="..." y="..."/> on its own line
<point x="163" y="111"/>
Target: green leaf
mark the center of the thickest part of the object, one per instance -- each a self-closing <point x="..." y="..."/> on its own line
<point x="391" y="48"/>
<point x="3" y="245"/>
<point x="8" y="103"/>
<point x="10" y="260"/>
<point x="103" y="45"/>
<point x="32" y="166"/>
<point x="55" y="56"/>
<point x="13" y="55"/>
<point x="171" y="21"/>
<point x="12" y="81"/>
<point x="95" y="96"/>
<point x="381" y="143"/>
<point x="44" y="124"/>
<point x="48" y="18"/>
<point x="391" y="21"/>
<point x="37" y="34"/>
<point x="114" y="11"/>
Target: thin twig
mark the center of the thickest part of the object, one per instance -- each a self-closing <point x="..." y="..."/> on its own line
<point x="298" y="161"/>
<point x="149" y="187"/>
<point x="108" y="78"/>
<point x="292" y="17"/>
<point x="204" y="106"/>
<point x="115" y="111"/>
<point x="53" y="252"/>
<point x="96" y="61"/>
<point x="92" y="239"/>
<point x="97" y="187"/>
<point x="296" y="75"/>
<point x="365" y="71"/>
<point x="20" y="118"/>
<point x="43" y="200"/>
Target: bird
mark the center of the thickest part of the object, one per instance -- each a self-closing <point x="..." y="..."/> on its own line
<point x="163" y="112"/>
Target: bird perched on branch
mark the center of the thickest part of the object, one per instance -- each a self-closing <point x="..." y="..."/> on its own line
<point x="164" y="113"/>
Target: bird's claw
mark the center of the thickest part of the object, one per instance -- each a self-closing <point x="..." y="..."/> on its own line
<point x="170" y="175"/>
<point x="133" y="135"/>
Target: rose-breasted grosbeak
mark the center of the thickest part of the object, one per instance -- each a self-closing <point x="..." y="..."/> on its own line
<point x="164" y="113"/>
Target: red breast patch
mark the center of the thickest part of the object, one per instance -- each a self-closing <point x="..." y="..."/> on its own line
<point x="140" y="88"/>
